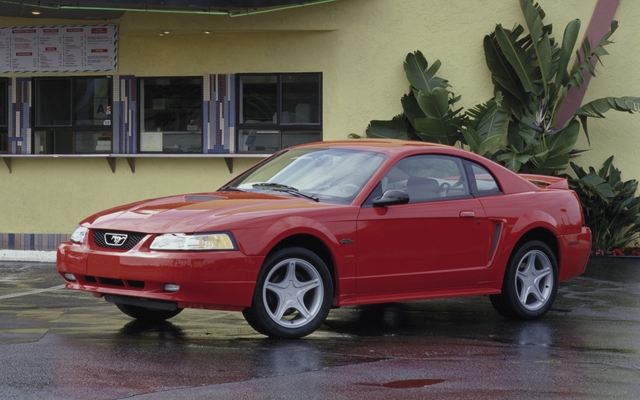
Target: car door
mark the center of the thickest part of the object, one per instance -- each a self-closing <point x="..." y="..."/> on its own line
<point x="440" y="239"/>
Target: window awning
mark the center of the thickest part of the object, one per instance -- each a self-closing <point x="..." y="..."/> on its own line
<point x="101" y="10"/>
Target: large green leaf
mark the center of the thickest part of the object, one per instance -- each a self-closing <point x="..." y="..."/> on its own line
<point x="511" y="105"/>
<point x="604" y="171"/>
<point x="440" y="124"/>
<point x="420" y="76"/>
<point x="394" y="129"/>
<point x="514" y="160"/>
<point x="540" y="40"/>
<point x="435" y="130"/>
<point x="568" y="44"/>
<point x="597" y="108"/>
<point x="521" y="61"/>
<point x="596" y="184"/>
<point x="486" y="126"/>
<point x="525" y="131"/>
<point x="411" y="108"/>
<point x="434" y="104"/>
<point x="553" y="151"/>
<point x="563" y="141"/>
<point x="578" y="170"/>
<point x="587" y="57"/>
<point x="514" y="139"/>
<point x="501" y="71"/>
<point x="548" y="164"/>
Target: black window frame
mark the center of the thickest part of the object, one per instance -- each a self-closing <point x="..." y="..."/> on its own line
<point x="72" y="128"/>
<point x="141" y="114"/>
<point x="281" y="127"/>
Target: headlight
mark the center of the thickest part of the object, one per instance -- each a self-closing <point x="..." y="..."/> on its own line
<point x="78" y="235"/>
<point x="201" y="241"/>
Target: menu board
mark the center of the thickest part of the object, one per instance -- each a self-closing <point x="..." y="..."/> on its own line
<point x="67" y="48"/>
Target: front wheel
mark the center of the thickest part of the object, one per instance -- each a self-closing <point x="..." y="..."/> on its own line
<point x="147" y="314"/>
<point x="293" y="295"/>
<point x="530" y="283"/>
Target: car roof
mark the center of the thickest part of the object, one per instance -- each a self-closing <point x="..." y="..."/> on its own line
<point x="388" y="146"/>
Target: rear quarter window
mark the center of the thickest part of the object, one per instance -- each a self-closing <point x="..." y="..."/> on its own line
<point x="485" y="183"/>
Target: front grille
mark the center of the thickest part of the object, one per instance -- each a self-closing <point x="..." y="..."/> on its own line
<point x="132" y="239"/>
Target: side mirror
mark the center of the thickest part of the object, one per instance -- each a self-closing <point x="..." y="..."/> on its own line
<point x="391" y="197"/>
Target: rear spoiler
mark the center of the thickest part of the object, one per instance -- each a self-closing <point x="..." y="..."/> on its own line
<point x="546" y="181"/>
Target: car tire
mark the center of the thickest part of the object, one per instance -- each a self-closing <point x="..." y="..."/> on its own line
<point x="530" y="283"/>
<point x="293" y="295"/>
<point x="147" y="314"/>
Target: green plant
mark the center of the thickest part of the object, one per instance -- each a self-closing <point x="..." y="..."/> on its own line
<point x="429" y="113"/>
<point x="610" y="206"/>
<point x="517" y="127"/>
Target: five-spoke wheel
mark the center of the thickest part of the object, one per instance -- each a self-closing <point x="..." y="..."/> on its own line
<point x="293" y="295"/>
<point x="530" y="282"/>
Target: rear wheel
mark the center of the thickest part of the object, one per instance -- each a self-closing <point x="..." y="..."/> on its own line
<point x="147" y="314"/>
<point x="293" y="295"/>
<point x="530" y="282"/>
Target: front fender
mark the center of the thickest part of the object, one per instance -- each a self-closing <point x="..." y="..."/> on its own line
<point x="296" y="225"/>
<point x="331" y="233"/>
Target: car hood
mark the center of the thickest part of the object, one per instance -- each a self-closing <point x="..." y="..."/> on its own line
<point x="194" y="212"/>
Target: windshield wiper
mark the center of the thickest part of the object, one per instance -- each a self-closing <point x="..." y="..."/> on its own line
<point x="231" y="189"/>
<point x="284" y="188"/>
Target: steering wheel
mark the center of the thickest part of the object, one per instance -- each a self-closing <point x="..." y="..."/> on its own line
<point x="445" y="187"/>
<point x="349" y="188"/>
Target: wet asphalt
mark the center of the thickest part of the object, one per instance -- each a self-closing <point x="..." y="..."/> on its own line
<point x="60" y="344"/>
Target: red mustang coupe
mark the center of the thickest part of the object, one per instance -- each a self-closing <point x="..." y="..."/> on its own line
<point x="336" y="224"/>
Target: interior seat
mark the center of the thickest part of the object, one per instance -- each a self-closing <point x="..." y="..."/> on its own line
<point x="421" y="189"/>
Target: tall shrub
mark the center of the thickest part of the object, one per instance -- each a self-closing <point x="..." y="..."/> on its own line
<point x="610" y="206"/>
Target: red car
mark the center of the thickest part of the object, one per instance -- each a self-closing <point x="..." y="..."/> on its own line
<point x="337" y="224"/>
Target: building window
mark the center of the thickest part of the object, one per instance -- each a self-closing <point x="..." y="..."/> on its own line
<point x="278" y="110"/>
<point x="171" y="115"/>
<point x="4" y="111"/>
<point x="72" y="115"/>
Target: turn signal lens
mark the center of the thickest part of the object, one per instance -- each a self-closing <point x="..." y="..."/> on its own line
<point x="171" y="287"/>
<point x="69" y="276"/>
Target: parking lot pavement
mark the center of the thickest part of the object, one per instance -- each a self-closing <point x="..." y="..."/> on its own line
<point x="60" y="344"/>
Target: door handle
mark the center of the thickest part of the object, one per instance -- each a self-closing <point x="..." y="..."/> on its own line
<point x="467" y="214"/>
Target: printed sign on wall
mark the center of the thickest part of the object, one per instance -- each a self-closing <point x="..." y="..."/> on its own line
<point x="68" y="48"/>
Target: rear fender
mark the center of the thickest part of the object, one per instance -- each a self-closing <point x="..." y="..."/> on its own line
<point x="511" y="236"/>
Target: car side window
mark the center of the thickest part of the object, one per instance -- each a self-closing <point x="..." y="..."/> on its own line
<point x="483" y="181"/>
<point x="427" y="178"/>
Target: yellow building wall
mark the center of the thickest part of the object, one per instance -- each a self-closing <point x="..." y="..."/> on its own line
<point x="358" y="46"/>
<point x="51" y="195"/>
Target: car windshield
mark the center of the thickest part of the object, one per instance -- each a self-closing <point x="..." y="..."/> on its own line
<point x="323" y="174"/>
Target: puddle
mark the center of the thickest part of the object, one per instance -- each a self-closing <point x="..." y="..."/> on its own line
<point x="407" y="384"/>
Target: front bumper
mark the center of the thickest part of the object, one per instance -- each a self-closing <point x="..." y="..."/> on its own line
<point x="213" y="279"/>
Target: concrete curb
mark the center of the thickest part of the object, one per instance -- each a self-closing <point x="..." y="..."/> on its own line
<point x="28" y="255"/>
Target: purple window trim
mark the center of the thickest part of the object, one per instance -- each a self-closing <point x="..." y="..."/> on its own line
<point x="600" y="23"/>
